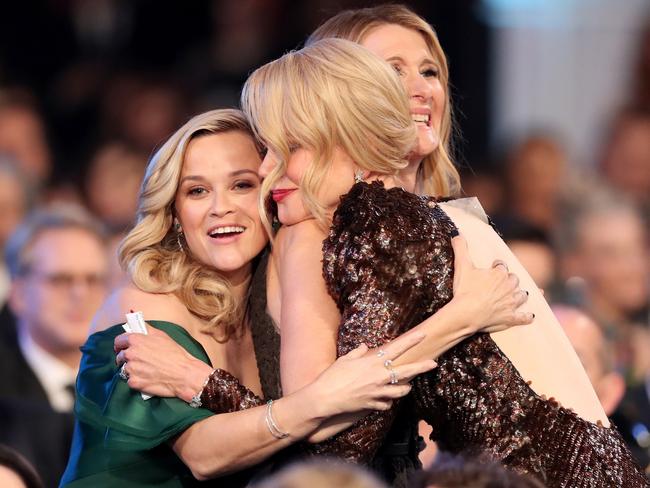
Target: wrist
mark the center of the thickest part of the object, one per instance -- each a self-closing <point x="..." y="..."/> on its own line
<point x="458" y="312"/>
<point x="196" y="373"/>
<point x="311" y="403"/>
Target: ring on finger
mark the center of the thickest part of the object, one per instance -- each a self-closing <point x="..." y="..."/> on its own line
<point x="388" y="364"/>
<point x="393" y="376"/>
<point x="381" y="353"/>
<point x="124" y="374"/>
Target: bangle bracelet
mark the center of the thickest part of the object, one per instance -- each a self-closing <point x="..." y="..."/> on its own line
<point x="270" y="423"/>
<point x="196" y="402"/>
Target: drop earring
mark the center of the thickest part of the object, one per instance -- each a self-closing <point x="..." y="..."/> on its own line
<point x="358" y="176"/>
<point x="179" y="232"/>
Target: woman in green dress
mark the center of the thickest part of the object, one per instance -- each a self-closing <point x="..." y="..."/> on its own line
<point x="190" y="258"/>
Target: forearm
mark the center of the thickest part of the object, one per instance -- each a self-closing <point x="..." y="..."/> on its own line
<point x="230" y="442"/>
<point x="334" y="425"/>
<point x="443" y="330"/>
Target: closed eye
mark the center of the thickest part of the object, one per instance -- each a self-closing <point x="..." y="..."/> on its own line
<point x="431" y="73"/>
<point x="398" y="69"/>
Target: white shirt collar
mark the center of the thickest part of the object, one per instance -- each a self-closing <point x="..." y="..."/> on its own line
<point x="53" y="374"/>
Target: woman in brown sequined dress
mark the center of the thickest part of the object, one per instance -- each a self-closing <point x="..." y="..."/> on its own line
<point x="332" y="114"/>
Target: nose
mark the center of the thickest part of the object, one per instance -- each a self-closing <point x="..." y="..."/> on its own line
<point x="268" y="163"/>
<point x="222" y="203"/>
<point x="418" y="87"/>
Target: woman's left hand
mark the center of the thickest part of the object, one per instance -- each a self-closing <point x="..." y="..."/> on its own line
<point x="155" y="364"/>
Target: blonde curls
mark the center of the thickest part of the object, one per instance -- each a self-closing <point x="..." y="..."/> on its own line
<point x="333" y="93"/>
<point x="437" y="174"/>
<point x="150" y="252"/>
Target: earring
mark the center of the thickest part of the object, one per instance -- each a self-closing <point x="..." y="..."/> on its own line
<point x="177" y="225"/>
<point x="179" y="232"/>
<point x="358" y="176"/>
<point x="178" y="241"/>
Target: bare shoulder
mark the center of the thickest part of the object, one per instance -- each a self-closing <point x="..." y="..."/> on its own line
<point x="154" y="306"/>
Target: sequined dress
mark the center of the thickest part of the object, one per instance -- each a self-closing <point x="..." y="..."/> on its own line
<point x="388" y="264"/>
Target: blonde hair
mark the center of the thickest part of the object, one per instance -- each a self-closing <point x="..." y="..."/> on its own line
<point x="150" y="252"/>
<point x="437" y="174"/>
<point x="333" y="93"/>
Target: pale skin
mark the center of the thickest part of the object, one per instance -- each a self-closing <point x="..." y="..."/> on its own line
<point x="219" y="186"/>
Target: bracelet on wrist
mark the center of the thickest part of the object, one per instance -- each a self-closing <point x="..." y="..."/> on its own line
<point x="196" y="402"/>
<point x="270" y="423"/>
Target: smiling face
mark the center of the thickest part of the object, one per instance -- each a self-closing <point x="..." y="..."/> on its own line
<point x="216" y="202"/>
<point x="408" y="53"/>
<point x="287" y="193"/>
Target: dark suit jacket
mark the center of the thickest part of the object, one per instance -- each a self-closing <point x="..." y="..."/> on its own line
<point x="40" y="434"/>
<point x="27" y="422"/>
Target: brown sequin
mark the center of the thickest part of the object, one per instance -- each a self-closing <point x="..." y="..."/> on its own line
<point x="223" y="393"/>
<point x="388" y="264"/>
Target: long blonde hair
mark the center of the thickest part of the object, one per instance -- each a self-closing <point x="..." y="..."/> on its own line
<point x="333" y="93"/>
<point x="150" y="252"/>
<point x="437" y="174"/>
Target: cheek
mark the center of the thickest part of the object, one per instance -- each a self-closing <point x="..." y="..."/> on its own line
<point x="439" y="99"/>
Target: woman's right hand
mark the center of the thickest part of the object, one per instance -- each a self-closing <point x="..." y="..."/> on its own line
<point x="361" y="379"/>
<point x="157" y="365"/>
<point x="488" y="298"/>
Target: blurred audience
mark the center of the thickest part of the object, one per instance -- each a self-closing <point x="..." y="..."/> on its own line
<point x="595" y="354"/>
<point x="604" y="263"/>
<point x="112" y="184"/>
<point x="486" y="185"/>
<point x="23" y="135"/>
<point x="641" y="81"/>
<point x="58" y="264"/>
<point x="532" y="246"/>
<point x="535" y="170"/>
<point x="16" y="471"/>
<point x="459" y="472"/>
<point x="633" y="420"/>
<point x="322" y="473"/>
<point x="142" y="110"/>
<point x="15" y="202"/>
<point x="625" y="162"/>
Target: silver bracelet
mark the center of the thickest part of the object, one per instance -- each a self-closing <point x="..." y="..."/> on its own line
<point x="196" y="402"/>
<point x="270" y="423"/>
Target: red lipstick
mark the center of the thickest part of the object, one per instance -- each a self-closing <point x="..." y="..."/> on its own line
<point x="279" y="195"/>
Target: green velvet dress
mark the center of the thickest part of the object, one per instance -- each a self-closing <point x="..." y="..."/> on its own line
<point x="121" y="439"/>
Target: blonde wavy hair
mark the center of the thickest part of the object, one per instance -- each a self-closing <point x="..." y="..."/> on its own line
<point x="437" y="174"/>
<point x="150" y="252"/>
<point x="333" y="93"/>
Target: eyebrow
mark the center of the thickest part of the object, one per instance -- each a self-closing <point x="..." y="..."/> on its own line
<point x="232" y="175"/>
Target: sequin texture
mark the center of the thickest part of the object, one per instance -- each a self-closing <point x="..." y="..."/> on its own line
<point x="395" y="243"/>
<point x="223" y="393"/>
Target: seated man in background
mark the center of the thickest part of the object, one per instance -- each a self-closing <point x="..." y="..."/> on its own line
<point x="58" y="264"/>
<point x="629" y="407"/>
